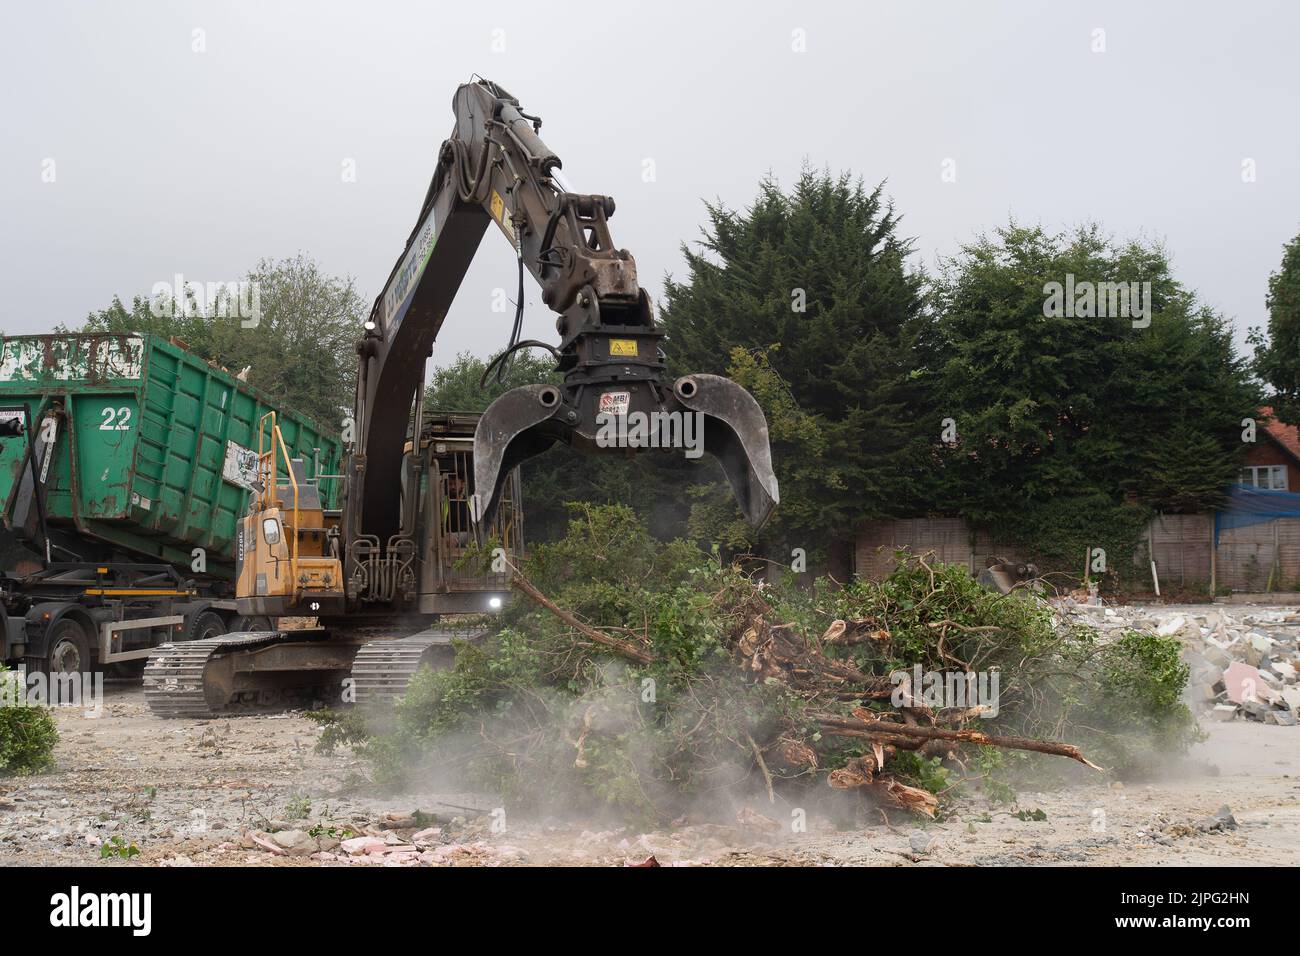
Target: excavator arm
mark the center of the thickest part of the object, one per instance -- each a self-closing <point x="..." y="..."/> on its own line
<point x="495" y="170"/>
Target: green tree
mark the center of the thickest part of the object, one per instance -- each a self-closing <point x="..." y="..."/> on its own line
<point x="1277" y="353"/>
<point x="815" y="281"/>
<point x="300" y="348"/>
<point x="192" y="329"/>
<point x="795" y="436"/>
<point x="1068" y="426"/>
<point x="455" y="387"/>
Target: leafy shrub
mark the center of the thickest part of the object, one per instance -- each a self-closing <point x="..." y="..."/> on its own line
<point x="27" y="733"/>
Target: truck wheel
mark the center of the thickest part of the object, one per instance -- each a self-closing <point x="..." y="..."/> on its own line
<point x="205" y="625"/>
<point x="67" y="650"/>
<point x="252" y="624"/>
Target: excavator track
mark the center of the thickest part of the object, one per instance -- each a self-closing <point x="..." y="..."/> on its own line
<point x="382" y="670"/>
<point x="257" y="670"/>
<point x="173" y="675"/>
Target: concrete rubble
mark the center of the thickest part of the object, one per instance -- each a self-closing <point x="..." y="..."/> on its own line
<point x="181" y="810"/>
<point x="1244" y="659"/>
<point x="383" y="844"/>
<point x="1165" y="831"/>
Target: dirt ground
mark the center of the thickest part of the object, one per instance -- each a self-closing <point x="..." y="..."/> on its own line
<point x="196" y="792"/>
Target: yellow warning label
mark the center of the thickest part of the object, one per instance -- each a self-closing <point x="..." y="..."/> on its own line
<point x="622" y="347"/>
<point x="499" y="214"/>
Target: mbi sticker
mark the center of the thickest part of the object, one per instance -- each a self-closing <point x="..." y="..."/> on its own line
<point x="614" y="403"/>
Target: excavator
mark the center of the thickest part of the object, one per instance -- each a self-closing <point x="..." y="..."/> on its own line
<point x="374" y="575"/>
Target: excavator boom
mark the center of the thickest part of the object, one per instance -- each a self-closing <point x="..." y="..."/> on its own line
<point x="495" y="170"/>
<point x="377" y="574"/>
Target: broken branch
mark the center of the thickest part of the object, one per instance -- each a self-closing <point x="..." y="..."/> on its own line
<point x="849" y="727"/>
<point x="624" y="648"/>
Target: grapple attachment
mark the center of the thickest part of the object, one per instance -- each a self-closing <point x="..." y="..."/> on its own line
<point x="701" y="413"/>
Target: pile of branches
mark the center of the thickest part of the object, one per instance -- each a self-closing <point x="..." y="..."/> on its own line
<point x="836" y="694"/>
<point x="650" y="677"/>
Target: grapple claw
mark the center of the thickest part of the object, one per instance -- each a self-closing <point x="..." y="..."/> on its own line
<point x="511" y="431"/>
<point x="735" y="432"/>
<point x="728" y="423"/>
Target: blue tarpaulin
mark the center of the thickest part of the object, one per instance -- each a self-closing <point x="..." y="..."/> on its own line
<point x="1247" y="505"/>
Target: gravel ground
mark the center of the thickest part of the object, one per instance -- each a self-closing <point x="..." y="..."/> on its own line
<point x="196" y="792"/>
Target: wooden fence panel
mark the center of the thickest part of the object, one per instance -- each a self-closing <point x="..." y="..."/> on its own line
<point x="1182" y="548"/>
<point x="949" y="539"/>
<point x="1245" y="560"/>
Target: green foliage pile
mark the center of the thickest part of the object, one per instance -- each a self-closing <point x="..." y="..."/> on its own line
<point x="27" y="733"/>
<point x="555" y="722"/>
<point x="1120" y="702"/>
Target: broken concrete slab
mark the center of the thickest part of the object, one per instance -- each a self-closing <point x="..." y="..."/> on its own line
<point x="295" y="842"/>
<point x="358" y="846"/>
<point x="1221" y="819"/>
<point x="1171" y="625"/>
<point x="268" y="845"/>
<point x="1255" y="710"/>
<point x="1243" y="682"/>
<point x="1291" y="695"/>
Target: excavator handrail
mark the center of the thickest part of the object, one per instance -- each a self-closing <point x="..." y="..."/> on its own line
<point x="277" y="437"/>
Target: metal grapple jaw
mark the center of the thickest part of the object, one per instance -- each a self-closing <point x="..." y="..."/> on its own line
<point x="700" y="414"/>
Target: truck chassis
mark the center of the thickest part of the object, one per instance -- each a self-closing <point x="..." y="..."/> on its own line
<point x="82" y="616"/>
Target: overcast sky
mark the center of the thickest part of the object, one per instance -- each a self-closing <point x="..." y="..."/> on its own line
<point x="167" y="159"/>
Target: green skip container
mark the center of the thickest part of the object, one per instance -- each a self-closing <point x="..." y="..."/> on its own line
<point x="155" y="450"/>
